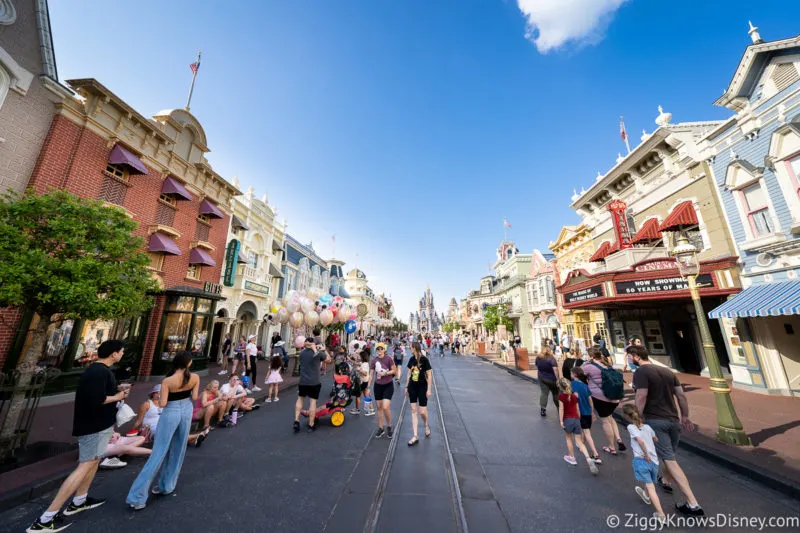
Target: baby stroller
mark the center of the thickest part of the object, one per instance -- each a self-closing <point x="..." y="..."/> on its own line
<point x="341" y="396"/>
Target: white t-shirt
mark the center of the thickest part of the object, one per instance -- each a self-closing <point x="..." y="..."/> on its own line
<point x="226" y="389"/>
<point x="251" y="349"/>
<point x="645" y="433"/>
<point x="364" y="370"/>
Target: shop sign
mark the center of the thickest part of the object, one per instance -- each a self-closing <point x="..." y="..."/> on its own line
<point x="656" y="265"/>
<point x="256" y="287"/>
<point x="231" y="262"/>
<point x="582" y="295"/>
<point x="644" y="286"/>
<point x="213" y="288"/>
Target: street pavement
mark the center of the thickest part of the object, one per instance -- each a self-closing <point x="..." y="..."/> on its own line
<point x="508" y="473"/>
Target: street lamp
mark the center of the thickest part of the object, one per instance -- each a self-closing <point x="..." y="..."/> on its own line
<point x="730" y="428"/>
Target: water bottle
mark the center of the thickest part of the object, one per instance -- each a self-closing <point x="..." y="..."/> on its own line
<point x="234" y="416"/>
<point x="368" y="404"/>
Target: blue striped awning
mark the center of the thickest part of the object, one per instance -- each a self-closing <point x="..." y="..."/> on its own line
<point x="768" y="299"/>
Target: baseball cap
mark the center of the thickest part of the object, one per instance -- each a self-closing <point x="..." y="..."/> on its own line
<point x="310" y="339"/>
<point x="381" y="345"/>
<point x="156" y="388"/>
<point x="251" y="337"/>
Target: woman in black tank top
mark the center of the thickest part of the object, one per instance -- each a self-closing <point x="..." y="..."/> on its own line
<point x="169" y="448"/>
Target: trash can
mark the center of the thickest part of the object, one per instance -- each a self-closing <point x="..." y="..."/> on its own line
<point x="521" y="355"/>
<point x="481" y="348"/>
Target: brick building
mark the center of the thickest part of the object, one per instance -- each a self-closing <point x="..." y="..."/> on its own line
<point x="99" y="147"/>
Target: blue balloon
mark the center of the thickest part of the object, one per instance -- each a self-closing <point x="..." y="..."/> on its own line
<point x="350" y="326"/>
<point x="326" y="299"/>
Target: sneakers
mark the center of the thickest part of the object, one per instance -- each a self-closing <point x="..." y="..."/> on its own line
<point x="311" y="429"/>
<point x="268" y="400"/>
<point x="276" y="399"/>
<point x="643" y="495"/>
<point x="597" y="460"/>
<point x="256" y="389"/>
<point x="56" y="524"/>
<point x="621" y="446"/>
<point x="688" y="510"/>
<point x="222" y="372"/>
<point x="543" y="411"/>
<point x="389" y="432"/>
<point x="355" y="411"/>
<point x="112" y="462"/>
<point x="90" y="503"/>
<point x="666" y="487"/>
<point x="571" y="460"/>
<point x="380" y="433"/>
<point x="370" y="412"/>
<point x="296" y="426"/>
<point x="255" y="407"/>
<point x="592" y="467"/>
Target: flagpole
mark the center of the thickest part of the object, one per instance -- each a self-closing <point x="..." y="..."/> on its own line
<point x="627" y="143"/>
<point x="505" y="230"/>
<point x="624" y="132"/>
<point x="194" y="76"/>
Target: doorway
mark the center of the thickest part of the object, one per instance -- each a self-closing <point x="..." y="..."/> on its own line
<point x="685" y="352"/>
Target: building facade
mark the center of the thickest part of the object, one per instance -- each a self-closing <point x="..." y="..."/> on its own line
<point x="755" y="160"/>
<point x="357" y="286"/>
<point x="251" y="272"/>
<point x="540" y="289"/>
<point x="98" y="147"/>
<point x="301" y="269"/>
<point x="634" y="213"/>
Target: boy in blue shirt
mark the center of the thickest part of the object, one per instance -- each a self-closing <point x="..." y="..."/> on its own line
<point x="581" y="388"/>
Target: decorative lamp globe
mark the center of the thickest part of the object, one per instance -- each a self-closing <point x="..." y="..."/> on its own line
<point x="685" y="254"/>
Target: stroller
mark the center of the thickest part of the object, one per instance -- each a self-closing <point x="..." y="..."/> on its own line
<point x="341" y="396"/>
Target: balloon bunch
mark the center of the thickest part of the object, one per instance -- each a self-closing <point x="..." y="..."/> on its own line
<point x="309" y="308"/>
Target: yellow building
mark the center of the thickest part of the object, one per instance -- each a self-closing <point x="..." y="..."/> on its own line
<point x="573" y="248"/>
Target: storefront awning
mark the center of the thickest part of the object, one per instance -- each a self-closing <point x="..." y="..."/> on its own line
<point x="649" y="232"/>
<point x="207" y="208"/>
<point x="237" y="223"/>
<point x="121" y="156"/>
<point x="769" y="299"/>
<point x="602" y="252"/>
<point x="173" y="186"/>
<point x="274" y="272"/>
<point x="160" y="243"/>
<point x="682" y="216"/>
<point x="198" y="256"/>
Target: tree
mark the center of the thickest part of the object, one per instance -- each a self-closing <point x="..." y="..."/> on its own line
<point x="65" y="257"/>
<point x="494" y="315"/>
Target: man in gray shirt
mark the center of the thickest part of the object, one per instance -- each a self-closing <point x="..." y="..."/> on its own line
<point x="309" y="384"/>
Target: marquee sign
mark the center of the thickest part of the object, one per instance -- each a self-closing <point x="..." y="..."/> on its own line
<point x="668" y="284"/>
<point x="231" y="262"/>
<point x="590" y="293"/>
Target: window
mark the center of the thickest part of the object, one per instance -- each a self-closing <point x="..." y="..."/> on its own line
<point x="550" y="289"/>
<point x="156" y="262"/>
<point x="117" y="171"/>
<point x="541" y="289"/>
<point x="168" y="198"/>
<point x="5" y="83"/>
<point x="754" y="202"/>
<point x="201" y="232"/>
<point x="193" y="272"/>
<point x="631" y="222"/>
<point x="794" y="174"/>
<point x="252" y="260"/>
<point x="204" y="218"/>
<point x="290" y="277"/>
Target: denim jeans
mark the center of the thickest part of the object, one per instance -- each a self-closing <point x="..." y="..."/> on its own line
<point x="169" y="448"/>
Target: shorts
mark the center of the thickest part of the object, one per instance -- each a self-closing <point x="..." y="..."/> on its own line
<point x="604" y="409"/>
<point x="309" y="391"/>
<point x="364" y="386"/>
<point x="572" y="426"/>
<point x="418" y="394"/>
<point x="668" y="432"/>
<point x="240" y="356"/>
<point x="644" y="471"/>
<point x="398" y="361"/>
<point x="384" y="392"/>
<point x="564" y="350"/>
<point x="92" y="447"/>
<point x="586" y="421"/>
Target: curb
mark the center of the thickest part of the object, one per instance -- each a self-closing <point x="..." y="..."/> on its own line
<point x="740" y="466"/>
<point x="35" y="489"/>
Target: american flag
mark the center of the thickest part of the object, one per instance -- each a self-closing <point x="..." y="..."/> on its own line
<point x="506" y="224"/>
<point x="195" y="67"/>
<point x="622" y="132"/>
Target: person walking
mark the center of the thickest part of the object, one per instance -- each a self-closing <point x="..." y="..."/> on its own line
<point x="178" y="390"/>
<point x="645" y="459"/>
<point x="225" y="355"/>
<point x="252" y="363"/>
<point x="569" y="416"/>
<point x="274" y="379"/>
<point x="571" y="359"/>
<point x="547" y="368"/>
<point x="382" y="369"/>
<point x="239" y="354"/>
<point x="600" y="375"/>
<point x="419" y="381"/>
<point x="657" y="389"/>
<point x="309" y="384"/>
<point x="580" y="387"/>
<point x="93" y="420"/>
<point x="398" y="361"/>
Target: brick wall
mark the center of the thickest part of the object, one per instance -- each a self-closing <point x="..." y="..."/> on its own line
<point x="151" y="336"/>
<point x="9" y="319"/>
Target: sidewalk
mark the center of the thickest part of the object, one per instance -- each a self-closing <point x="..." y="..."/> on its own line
<point x="772" y="422"/>
<point x="52" y="428"/>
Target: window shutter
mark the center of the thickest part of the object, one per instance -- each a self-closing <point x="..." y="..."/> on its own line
<point x="784" y="75"/>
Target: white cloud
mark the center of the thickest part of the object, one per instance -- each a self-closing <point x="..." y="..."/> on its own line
<point x="554" y="23"/>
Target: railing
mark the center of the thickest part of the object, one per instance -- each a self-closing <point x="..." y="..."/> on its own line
<point x="18" y="403"/>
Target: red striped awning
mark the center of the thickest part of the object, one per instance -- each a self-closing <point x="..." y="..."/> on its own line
<point x="602" y="252"/>
<point x="682" y="216"/>
<point x="649" y="232"/>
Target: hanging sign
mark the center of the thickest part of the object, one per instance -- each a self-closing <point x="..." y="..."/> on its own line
<point x="231" y="261"/>
<point x="582" y="295"/>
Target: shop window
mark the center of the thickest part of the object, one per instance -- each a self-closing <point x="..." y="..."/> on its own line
<point x="601" y="329"/>
<point x="176" y="333"/>
<point x="194" y="272"/>
<point x="754" y="201"/>
<point x="156" y="262"/>
<point x="181" y="303"/>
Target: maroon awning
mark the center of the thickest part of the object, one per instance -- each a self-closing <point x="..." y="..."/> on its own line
<point x="173" y="186"/>
<point x="682" y="216"/>
<point x="649" y="232"/>
<point x="207" y="208"/>
<point x="121" y="156"/>
<point x="601" y="253"/>
<point x="163" y="244"/>
<point x="198" y="256"/>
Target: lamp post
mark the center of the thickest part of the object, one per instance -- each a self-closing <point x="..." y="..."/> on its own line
<point x="730" y="429"/>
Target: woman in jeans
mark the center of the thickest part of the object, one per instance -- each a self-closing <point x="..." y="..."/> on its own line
<point x="178" y="390"/>
<point x="547" y="367"/>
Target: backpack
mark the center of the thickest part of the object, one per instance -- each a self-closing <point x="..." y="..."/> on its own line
<point x="612" y="383"/>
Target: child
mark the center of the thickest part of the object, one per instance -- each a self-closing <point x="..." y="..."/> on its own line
<point x="274" y="378"/>
<point x="363" y="374"/>
<point x="570" y="423"/>
<point x="645" y="461"/>
<point x="580" y="386"/>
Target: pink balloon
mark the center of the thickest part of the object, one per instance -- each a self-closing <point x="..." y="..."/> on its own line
<point x="298" y="341"/>
<point x="353" y="316"/>
<point x="326" y="317"/>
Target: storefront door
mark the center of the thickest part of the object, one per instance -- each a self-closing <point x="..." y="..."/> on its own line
<point x="685" y="352"/>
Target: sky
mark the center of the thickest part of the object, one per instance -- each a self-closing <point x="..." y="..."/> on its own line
<point x="410" y="129"/>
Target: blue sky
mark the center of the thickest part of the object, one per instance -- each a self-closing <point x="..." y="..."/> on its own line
<point x="411" y="128"/>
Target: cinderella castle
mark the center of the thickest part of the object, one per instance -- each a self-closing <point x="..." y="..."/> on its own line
<point x="425" y="318"/>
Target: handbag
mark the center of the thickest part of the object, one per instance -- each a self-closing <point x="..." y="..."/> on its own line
<point x="124" y="414"/>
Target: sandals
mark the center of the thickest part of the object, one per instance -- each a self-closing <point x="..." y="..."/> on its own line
<point x="609" y="450"/>
<point x="413" y="442"/>
<point x="427" y="432"/>
<point x="621" y="446"/>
